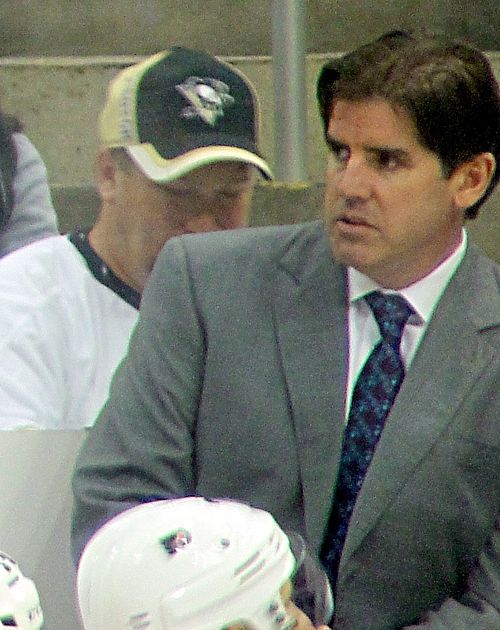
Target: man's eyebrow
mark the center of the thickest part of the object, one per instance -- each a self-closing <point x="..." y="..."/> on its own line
<point x="242" y="176"/>
<point x="333" y="143"/>
<point x="396" y="152"/>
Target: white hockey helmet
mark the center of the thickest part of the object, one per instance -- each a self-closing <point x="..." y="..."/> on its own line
<point x="186" y="564"/>
<point x="19" y="602"/>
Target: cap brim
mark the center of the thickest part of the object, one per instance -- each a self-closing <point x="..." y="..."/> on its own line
<point x="162" y="170"/>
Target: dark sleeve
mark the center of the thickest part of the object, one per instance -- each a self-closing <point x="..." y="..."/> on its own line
<point x="31" y="214"/>
<point x="8" y="164"/>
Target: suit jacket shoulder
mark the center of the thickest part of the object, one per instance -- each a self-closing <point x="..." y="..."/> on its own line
<point x="261" y="244"/>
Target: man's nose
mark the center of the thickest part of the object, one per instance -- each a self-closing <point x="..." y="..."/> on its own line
<point x="353" y="180"/>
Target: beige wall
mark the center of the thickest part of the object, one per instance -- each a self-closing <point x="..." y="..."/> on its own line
<point x="225" y="27"/>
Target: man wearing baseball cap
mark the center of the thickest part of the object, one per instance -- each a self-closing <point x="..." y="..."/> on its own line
<point x="179" y="155"/>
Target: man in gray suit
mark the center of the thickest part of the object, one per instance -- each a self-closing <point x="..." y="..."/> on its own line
<point x="256" y="369"/>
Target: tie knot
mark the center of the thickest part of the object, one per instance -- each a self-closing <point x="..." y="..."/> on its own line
<point x="391" y="312"/>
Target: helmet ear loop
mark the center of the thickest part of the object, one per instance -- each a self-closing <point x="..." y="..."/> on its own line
<point x="312" y="592"/>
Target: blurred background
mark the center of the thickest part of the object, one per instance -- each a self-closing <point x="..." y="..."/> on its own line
<point x="225" y="27"/>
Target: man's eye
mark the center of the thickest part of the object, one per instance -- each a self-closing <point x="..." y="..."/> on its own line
<point x="387" y="161"/>
<point x="179" y="191"/>
<point x="340" y="153"/>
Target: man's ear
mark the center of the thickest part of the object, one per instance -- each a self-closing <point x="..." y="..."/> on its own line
<point x="472" y="179"/>
<point x="106" y="175"/>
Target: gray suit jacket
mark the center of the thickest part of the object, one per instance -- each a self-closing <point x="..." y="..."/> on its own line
<point x="234" y="386"/>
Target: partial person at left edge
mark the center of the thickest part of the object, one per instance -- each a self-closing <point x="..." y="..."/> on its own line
<point x="19" y="600"/>
<point x="179" y="154"/>
<point x="26" y="210"/>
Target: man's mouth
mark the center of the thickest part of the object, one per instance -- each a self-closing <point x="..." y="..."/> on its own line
<point x="353" y="220"/>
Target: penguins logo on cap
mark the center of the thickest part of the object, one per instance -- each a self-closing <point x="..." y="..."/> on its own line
<point x="207" y="98"/>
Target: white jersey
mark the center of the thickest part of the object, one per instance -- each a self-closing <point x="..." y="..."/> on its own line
<point x="63" y="332"/>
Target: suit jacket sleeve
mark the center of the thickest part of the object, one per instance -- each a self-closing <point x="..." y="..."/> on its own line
<point x="131" y="455"/>
<point x="479" y="607"/>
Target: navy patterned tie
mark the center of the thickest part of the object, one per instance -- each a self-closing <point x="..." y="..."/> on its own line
<point x="373" y="395"/>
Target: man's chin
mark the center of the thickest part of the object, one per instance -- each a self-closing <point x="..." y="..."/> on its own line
<point x="349" y="251"/>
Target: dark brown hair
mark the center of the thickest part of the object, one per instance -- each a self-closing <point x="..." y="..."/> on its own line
<point x="447" y="87"/>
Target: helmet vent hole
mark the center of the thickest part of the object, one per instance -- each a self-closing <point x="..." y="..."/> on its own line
<point x="175" y="541"/>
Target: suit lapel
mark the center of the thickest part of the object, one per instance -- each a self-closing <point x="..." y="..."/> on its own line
<point x="310" y="317"/>
<point x="447" y="364"/>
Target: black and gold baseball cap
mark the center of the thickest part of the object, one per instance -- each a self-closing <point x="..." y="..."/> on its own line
<point x="181" y="109"/>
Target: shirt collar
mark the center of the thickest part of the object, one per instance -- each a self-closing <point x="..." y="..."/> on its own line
<point x="422" y="295"/>
<point x="100" y="270"/>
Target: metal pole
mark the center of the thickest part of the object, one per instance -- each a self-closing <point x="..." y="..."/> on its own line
<point x="289" y="89"/>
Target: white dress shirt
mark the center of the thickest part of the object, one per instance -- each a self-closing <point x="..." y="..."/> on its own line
<point x="423" y="296"/>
